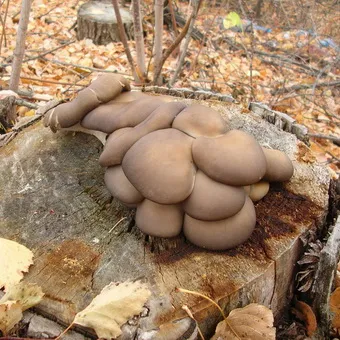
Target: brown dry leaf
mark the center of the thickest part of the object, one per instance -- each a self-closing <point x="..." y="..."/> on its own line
<point x="114" y="306"/>
<point x="14" y="259"/>
<point x="27" y="294"/>
<point x="305" y="313"/>
<point x="10" y="315"/>
<point x="334" y="304"/>
<point x="250" y="322"/>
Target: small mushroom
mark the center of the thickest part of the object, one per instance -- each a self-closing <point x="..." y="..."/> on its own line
<point x="223" y="234"/>
<point x="160" y="166"/>
<point x="68" y="114"/>
<point x="211" y="200"/>
<point x="120" y="187"/>
<point x="101" y="90"/>
<point x="279" y="166"/>
<point x="109" y="86"/>
<point x="199" y="120"/>
<point x="113" y="116"/>
<point x="160" y="118"/>
<point x="159" y="220"/>
<point x="258" y="190"/>
<point x="234" y="158"/>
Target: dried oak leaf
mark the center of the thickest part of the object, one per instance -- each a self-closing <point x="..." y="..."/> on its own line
<point x="27" y="294"/>
<point x="334" y="304"/>
<point x="113" y="307"/>
<point x="10" y="315"/>
<point x="250" y="322"/>
<point x="305" y="313"/>
<point x="14" y="259"/>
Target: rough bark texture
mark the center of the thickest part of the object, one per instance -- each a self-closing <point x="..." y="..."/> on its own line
<point x="96" y="20"/>
<point x="324" y="281"/>
<point x="53" y="200"/>
<point x="138" y="29"/>
<point x="159" y="5"/>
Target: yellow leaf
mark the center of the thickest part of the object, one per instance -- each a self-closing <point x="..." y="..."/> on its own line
<point x="27" y="294"/>
<point x="14" y="259"/>
<point x="231" y="20"/>
<point x="250" y="322"/>
<point x="114" y="306"/>
<point x="10" y="315"/>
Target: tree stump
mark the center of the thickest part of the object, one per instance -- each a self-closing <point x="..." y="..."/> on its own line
<point x="54" y="201"/>
<point x="97" y="20"/>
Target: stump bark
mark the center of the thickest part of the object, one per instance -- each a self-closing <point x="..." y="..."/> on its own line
<point x="96" y="20"/>
<point x="54" y="201"/>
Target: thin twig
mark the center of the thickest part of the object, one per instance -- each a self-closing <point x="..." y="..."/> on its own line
<point x="3" y="33"/>
<point x="334" y="139"/>
<point x="54" y="61"/>
<point x="64" y="332"/>
<point x="123" y="38"/>
<point x="188" y="311"/>
<point x="49" y="11"/>
<point x="173" y="46"/>
<point x="306" y="86"/>
<point x="52" y="81"/>
<point x="193" y="16"/>
<point x="40" y="56"/>
<point x="22" y="102"/>
<point x="122" y="219"/>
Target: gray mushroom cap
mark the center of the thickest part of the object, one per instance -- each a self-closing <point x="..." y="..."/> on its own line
<point x="258" y="191"/>
<point x="211" y="200"/>
<point x="120" y="187"/>
<point x="161" y="118"/>
<point x="234" y="158"/>
<point x="113" y="116"/>
<point x="158" y="219"/>
<point x="160" y="166"/>
<point x="279" y="166"/>
<point x="223" y="234"/>
<point x="199" y="120"/>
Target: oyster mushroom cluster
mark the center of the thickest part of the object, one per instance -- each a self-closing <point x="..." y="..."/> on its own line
<point x="177" y="164"/>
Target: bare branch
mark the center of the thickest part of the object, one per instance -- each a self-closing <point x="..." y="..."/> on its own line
<point x="306" y="86"/>
<point x="196" y="5"/>
<point x="123" y="38"/>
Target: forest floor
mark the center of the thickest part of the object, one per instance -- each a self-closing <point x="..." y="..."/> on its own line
<point x="283" y="63"/>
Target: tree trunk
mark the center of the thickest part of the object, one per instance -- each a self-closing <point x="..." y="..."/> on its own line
<point x="159" y="4"/>
<point x="20" y="45"/>
<point x="139" y="38"/>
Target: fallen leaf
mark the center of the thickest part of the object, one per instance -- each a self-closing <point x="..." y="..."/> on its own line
<point x="114" y="306"/>
<point x="231" y="20"/>
<point x="305" y="313"/>
<point x="334" y="304"/>
<point x="10" y="315"/>
<point x="250" y="322"/>
<point x="27" y="294"/>
<point x="14" y="259"/>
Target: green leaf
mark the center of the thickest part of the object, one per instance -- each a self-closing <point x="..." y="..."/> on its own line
<point x="231" y="20"/>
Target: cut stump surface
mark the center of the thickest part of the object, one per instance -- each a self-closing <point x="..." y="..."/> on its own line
<point x="96" y="20"/>
<point x="54" y="201"/>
